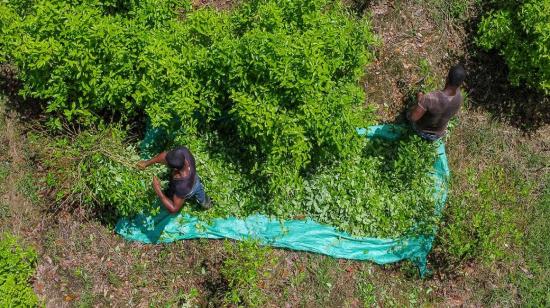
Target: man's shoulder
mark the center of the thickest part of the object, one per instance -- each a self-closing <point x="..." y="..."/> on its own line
<point x="434" y="95"/>
<point x="428" y="100"/>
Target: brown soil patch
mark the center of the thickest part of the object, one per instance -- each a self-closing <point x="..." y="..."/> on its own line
<point x="14" y="156"/>
<point x="216" y="4"/>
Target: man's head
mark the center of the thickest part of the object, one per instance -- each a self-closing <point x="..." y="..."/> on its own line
<point x="175" y="160"/>
<point x="456" y="76"/>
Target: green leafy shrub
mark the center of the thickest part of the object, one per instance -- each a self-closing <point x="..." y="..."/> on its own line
<point x="7" y="20"/>
<point x="16" y="269"/>
<point x="97" y="167"/>
<point x="77" y="59"/>
<point x="266" y="97"/>
<point x="520" y="31"/>
<point x="278" y="78"/>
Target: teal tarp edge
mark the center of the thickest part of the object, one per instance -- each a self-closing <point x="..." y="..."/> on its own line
<point x="303" y="235"/>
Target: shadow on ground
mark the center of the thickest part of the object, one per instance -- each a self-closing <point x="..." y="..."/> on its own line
<point x="490" y="90"/>
<point x="10" y="86"/>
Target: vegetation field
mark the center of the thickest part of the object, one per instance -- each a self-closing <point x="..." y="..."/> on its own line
<point x="266" y="94"/>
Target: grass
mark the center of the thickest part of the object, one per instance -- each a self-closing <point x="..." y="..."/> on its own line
<point x="445" y="12"/>
<point x="86" y="296"/>
<point x="367" y="292"/>
<point x="534" y="279"/>
<point x="4" y="172"/>
<point x="183" y="299"/>
<point x="28" y="186"/>
<point x="492" y="214"/>
<point x="322" y="279"/>
<point x="245" y="269"/>
<point x="480" y="222"/>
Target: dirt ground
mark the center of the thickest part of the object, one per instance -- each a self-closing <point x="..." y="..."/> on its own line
<point x="409" y="36"/>
<point x="84" y="263"/>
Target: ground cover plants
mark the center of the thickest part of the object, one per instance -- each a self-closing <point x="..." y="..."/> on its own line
<point x="16" y="268"/>
<point x="246" y="266"/>
<point x="266" y="96"/>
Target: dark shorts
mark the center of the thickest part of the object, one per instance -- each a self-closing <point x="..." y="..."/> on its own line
<point x="197" y="192"/>
<point x="426" y="136"/>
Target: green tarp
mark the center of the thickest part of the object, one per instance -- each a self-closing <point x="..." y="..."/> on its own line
<point x="305" y="235"/>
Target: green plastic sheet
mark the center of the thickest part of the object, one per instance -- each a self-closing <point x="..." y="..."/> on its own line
<point x="304" y="235"/>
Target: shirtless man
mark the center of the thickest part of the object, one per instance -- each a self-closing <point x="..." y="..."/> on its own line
<point x="430" y="117"/>
<point x="184" y="181"/>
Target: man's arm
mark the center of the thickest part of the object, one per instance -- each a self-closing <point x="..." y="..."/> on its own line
<point x="161" y="158"/>
<point x="173" y="206"/>
<point x="417" y="111"/>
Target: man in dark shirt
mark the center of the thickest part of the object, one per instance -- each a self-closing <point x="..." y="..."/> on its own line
<point x="431" y="115"/>
<point x="184" y="181"/>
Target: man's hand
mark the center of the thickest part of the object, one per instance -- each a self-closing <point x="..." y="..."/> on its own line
<point x="419" y="97"/>
<point x="142" y="165"/>
<point x="172" y="206"/>
<point x="156" y="185"/>
<point x="161" y="158"/>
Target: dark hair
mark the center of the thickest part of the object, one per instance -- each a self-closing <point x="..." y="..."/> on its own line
<point x="175" y="160"/>
<point x="456" y="76"/>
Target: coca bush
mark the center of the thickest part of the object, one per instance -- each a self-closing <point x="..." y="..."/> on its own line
<point x="520" y="31"/>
